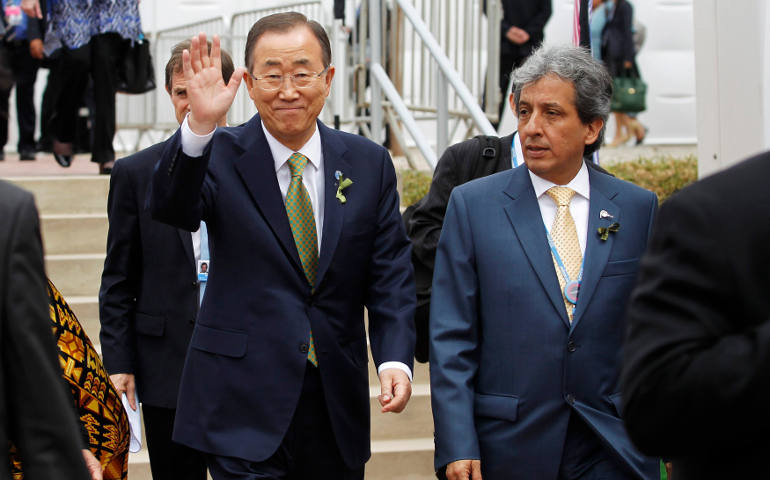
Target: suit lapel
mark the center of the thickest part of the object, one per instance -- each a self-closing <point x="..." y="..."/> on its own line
<point x="597" y="250"/>
<point x="524" y="214"/>
<point x="334" y="152"/>
<point x="254" y="163"/>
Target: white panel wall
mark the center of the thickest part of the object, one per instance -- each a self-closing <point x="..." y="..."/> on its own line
<point x="732" y="57"/>
<point x="667" y="64"/>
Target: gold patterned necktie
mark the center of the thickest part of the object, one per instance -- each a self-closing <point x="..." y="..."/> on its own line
<point x="300" y="212"/>
<point x="565" y="239"/>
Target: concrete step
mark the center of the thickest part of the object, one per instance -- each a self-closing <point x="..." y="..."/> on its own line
<point x="410" y="459"/>
<point x="65" y="234"/>
<point x="76" y="275"/>
<point x="87" y="311"/>
<point x="68" y="195"/>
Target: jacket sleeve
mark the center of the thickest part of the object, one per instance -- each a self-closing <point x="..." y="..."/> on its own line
<point x="683" y="345"/>
<point x="536" y="24"/>
<point x="120" y="277"/>
<point x="40" y="409"/>
<point x="454" y="338"/>
<point x="391" y="295"/>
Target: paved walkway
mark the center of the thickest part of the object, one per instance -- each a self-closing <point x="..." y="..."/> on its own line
<point x="45" y="165"/>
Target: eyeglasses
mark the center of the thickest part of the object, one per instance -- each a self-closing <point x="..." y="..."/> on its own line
<point x="299" y="79"/>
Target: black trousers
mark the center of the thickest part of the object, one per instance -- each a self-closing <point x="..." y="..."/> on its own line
<point x="24" y="74"/>
<point x="308" y="451"/>
<point x="97" y="61"/>
<point x="169" y="460"/>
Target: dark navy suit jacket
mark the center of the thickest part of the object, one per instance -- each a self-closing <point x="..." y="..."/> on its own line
<point x="246" y="363"/>
<point x="507" y="368"/>
<point x="148" y="299"/>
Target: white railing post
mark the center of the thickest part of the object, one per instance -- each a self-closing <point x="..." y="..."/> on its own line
<point x="375" y="35"/>
<point x="442" y="102"/>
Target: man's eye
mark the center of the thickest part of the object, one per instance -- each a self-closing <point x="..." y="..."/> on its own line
<point x="302" y="76"/>
<point x="273" y="78"/>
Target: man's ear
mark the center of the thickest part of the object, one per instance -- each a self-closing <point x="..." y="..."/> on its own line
<point x="593" y="129"/>
<point x="512" y="102"/>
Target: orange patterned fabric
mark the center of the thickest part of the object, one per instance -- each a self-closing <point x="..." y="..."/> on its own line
<point x="99" y="408"/>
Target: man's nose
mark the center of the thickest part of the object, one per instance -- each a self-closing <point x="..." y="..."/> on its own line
<point x="533" y="124"/>
<point x="287" y="87"/>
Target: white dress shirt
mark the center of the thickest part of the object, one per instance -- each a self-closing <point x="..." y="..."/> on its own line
<point x="313" y="179"/>
<point x="578" y="207"/>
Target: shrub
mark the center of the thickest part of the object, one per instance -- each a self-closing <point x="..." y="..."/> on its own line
<point x="663" y="175"/>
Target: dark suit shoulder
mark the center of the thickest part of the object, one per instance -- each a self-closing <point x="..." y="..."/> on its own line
<point x="11" y="196"/>
<point x="143" y="158"/>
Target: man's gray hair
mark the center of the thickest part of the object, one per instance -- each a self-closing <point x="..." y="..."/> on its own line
<point x="592" y="82"/>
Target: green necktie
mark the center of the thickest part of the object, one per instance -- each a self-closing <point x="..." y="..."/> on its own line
<point x="300" y="212"/>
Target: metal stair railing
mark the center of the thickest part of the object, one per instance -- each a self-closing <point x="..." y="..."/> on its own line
<point x="430" y="70"/>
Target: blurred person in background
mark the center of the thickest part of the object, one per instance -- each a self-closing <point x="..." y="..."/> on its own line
<point x="36" y="412"/>
<point x="619" y="55"/>
<point x="95" y="44"/>
<point x="15" y="53"/>
<point x="146" y="306"/>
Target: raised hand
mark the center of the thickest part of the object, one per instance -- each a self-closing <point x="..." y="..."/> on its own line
<point x="209" y="97"/>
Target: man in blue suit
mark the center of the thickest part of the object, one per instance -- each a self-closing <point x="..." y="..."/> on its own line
<point x="533" y="271"/>
<point x="304" y="232"/>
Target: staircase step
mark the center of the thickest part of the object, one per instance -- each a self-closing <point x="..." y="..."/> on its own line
<point x="74" y="234"/>
<point x="68" y="194"/>
<point x="87" y="311"/>
<point x="407" y="459"/>
<point x="76" y="275"/>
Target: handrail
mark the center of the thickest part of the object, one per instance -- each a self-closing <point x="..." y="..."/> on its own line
<point x="446" y="67"/>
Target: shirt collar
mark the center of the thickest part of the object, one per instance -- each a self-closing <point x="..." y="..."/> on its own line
<point x="580" y="184"/>
<point x="281" y="153"/>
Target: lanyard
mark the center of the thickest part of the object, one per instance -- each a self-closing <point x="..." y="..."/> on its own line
<point x="571" y="287"/>
<point x="514" y="158"/>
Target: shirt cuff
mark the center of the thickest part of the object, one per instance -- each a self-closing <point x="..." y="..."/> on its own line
<point x="193" y="144"/>
<point x="398" y="365"/>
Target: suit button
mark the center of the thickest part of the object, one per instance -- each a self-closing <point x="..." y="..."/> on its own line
<point x="194" y="284"/>
<point x="192" y="321"/>
<point x="303" y="347"/>
<point x="570" y="399"/>
<point x="571" y="347"/>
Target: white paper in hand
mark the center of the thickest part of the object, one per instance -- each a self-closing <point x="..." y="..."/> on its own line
<point x="134" y="423"/>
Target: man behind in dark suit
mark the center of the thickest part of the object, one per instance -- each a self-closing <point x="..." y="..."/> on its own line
<point x="305" y="232"/>
<point x="521" y="32"/>
<point x="696" y="373"/>
<point x="533" y="270"/>
<point x="150" y="294"/>
<point x="36" y="411"/>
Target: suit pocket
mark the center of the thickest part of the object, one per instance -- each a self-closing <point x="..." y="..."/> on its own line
<point x="505" y="407"/>
<point x="621" y="267"/>
<point x="222" y="342"/>
<point x="150" y="325"/>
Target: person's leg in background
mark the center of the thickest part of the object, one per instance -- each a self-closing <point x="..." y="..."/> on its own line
<point x="69" y="80"/>
<point x="25" y="72"/>
<point x="106" y="49"/>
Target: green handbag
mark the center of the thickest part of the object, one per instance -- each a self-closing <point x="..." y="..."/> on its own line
<point x="629" y="92"/>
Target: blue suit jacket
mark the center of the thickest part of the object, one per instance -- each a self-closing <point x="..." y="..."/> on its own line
<point x="507" y="368"/>
<point x="248" y="353"/>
